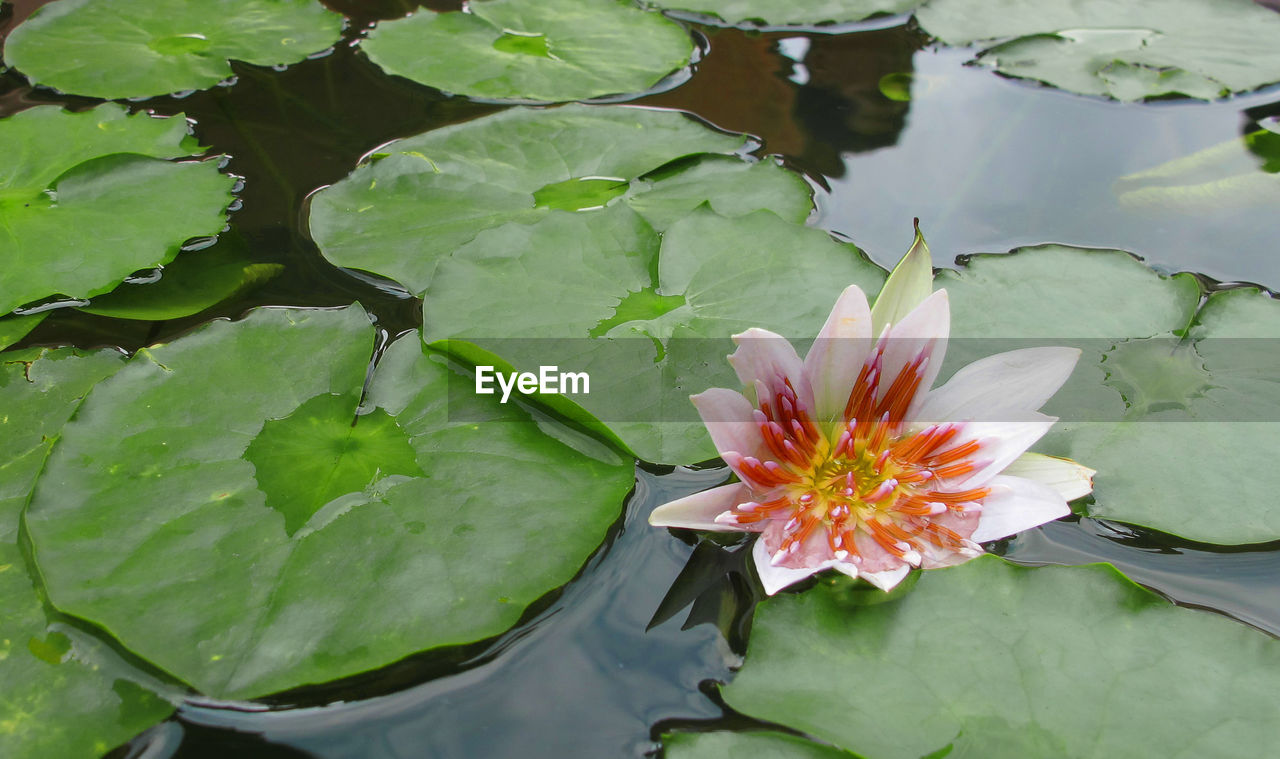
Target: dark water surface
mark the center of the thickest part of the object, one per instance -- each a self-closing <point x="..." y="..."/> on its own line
<point x="630" y="648"/>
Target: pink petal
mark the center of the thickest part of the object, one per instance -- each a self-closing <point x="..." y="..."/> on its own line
<point x="767" y="357"/>
<point x="838" y="352"/>
<point x="923" y="331"/>
<point x="1070" y="479"/>
<point x="699" y="511"/>
<point x="1017" y="504"/>
<point x="888" y="579"/>
<point x="998" y="388"/>
<point x="776" y="578"/>
<point x="1001" y="443"/>
<point x="963" y="525"/>
<point x="728" y="417"/>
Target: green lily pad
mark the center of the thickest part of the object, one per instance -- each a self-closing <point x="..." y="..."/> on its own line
<point x="808" y="12"/>
<point x="86" y="199"/>
<point x="991" y="660"/>
<point x="266" y="582"/>
<point x="137" y="48"/>
<point x="195" y="281"/>
<point x="548" y="50"/>
<point x="421" y="198"/>
<point x="759" y="745"/>
<point x="1125" y="50"/>
<point x="65" y="694"/>
<point x="647" y="319"/>
<point x="14" y="328"/>
<point x="1179" y="429"/>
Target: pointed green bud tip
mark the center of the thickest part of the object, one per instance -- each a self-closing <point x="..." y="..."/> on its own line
<point x="910" y="282"/>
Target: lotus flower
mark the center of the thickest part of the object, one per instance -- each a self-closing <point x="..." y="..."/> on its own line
<point x="848" y="460"/>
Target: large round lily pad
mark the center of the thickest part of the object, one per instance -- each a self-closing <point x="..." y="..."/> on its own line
<point x="808" y="12"/>
<point x="548" y="50"/>
<point x="991" y="660"/>
<point x="136" y="48"/>
<point x="88" y="198"/>
<point x="229" y="510"/>
<point x="420" y="198"/>
<point x="1126" y="50"/>
<point x="648" y="320"/>
<point x="65" y="693"/>
<point x="1179" y="428"/>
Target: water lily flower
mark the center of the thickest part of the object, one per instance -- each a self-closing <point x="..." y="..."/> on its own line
<point x="847" y="459"/>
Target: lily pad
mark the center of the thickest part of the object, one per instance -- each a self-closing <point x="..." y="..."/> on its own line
<point x="1144" y="400"/>
<point x="758" y="745"/>
<point x="65" y="694"/>
<point x="807" y="12"/>
<point x="992" y="660"/>
<point x="137" y="48"/>
<point x="14" y="328"/>
<point x="86" y="199"/>
<point x="648" y="320"/>
<point x="195" y="281"/>
<point x="1125" y="50"/>
<point x="546" y="50"/>
<point x="420" y="198"/>
<point x="267" y="582"/>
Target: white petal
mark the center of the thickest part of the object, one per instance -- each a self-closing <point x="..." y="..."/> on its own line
<point x="728" y="417"/>
<point x="774" y="578"/>
<point x="1070" y="479"/>
<point x="699" y="511"/>
<point x="887" y="579"/>
<point x="1017" y="504"/>
<point x="1001" y="444"/>
<point x="910" y="282"/>
<point x="768" y="357"/>
<point x="997" y="388"/>
<point x="924" y="330"/>
<point x="838" y="353"/>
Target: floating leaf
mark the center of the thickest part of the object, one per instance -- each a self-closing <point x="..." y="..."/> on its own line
<point x="781" y="14"/>
<point x="580" y="294"/>
<point x="87" y="198"/>
<point x="1129" y="51"/>
<point x="136" y="48"/>
<point x="420" y="198"/>
<point x="14" y="328"/>
<point x="267" y="581"/>
<point x="194" y="281"/>
<point x="65" y="694"/>
<point x="991" y="660"/>
<point x="758" y="745"/>
<point x="549" y="50"/>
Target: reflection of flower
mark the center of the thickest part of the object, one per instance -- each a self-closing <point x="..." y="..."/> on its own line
<point x="848" y="460"/>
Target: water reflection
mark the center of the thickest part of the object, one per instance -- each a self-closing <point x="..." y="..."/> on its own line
<point x="812" y="98"/>
<point x="989" y="164"/>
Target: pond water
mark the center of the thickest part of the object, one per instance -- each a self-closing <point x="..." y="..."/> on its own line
<point x="633" y="645"/>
